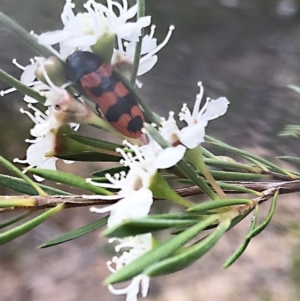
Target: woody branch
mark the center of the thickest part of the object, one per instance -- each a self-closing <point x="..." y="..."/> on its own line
<point x="74" y="201"/>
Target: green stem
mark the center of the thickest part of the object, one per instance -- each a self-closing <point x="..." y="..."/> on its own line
<point x="15" y="219"/>
<point x="195" y="157"/>
<point x="161" y="189"/>
<point x="28" y="38"/>
<point x="10" y="80"/>
<point x="14" y="169"/>
<point x="233" y="166"/>
<point x="26" y="227"/>
<point x="21" y="202"/>
<point x="138" y="47"/>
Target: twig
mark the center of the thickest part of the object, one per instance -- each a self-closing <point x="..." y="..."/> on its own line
<point x="74" y="201"/>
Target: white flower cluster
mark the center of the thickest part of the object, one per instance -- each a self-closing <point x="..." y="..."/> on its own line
<point x="41" y="151"/>
<point x="144" y="161"/>
<point x="83" y="30"/>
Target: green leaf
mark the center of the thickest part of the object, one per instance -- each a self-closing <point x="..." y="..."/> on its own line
<point x="71" y="146"/>
<point x="239" y="188"/>
<point x="101" y="144"/>
<point x="87" y="156"/>
<point x="111" y="171"/>
<point x="138" y="46"/>
<point x="290" y="159"/>
<point x="216" y="204"/>
<point x="68" y="179"/>
<point x="237" y="176"/>
<point x="188" y="255"/>
<point x="265" y="223"/>
<point x="240" y="250"/>
<point x="26" y="227"/>
<point x="146" y="225"/>
<point x="232" y="166"/>
<point x="11" y="81"/>
<point x="21" y="186"/>
<point x="177" y="216"/>
<point x="290" y="130"/>
<point x="18" y="172"/>
<point x="160" y="252"/>
<point x="15" y="219"/>
<point x="239" y="218"/>
<point x="75" y="233"/>
<point x="245" y="154"/>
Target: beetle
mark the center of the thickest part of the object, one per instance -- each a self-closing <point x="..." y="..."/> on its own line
<point x="103" y="86"/>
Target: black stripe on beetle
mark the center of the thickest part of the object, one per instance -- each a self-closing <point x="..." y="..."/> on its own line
<point x="103" y="86"/>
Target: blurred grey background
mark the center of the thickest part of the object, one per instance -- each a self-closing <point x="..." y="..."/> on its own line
<point x="246" y="50"/>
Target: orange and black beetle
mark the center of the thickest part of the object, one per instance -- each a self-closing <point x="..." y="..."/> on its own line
<point x="103" y="86"/>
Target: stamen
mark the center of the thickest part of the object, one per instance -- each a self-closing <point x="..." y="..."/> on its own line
<point x="198" y="102"/>
<point x="14" y="61"/>
<point x="7" y="91"/>
<point x="37" y="111"/>
<point x="76" y="127"/>
<point x="98" y="27"/>
<point x="159" y="47"/>
<point x="32" y="140"/>
<point x="152" y="31"/>
<point x="29" y="115"/>
<point x="119" y="7"/>
<point x="16" y="160"/>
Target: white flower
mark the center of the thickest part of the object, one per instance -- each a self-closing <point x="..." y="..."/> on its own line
<point x="136" y="197"/>
<point x="125" y="53"/>
<point x="28" y="78"/>
<point x="158" y="158"/>
<point x="40" y="152"/>
<point x="42" y="149"/>
<point x="138" y="245"/>
<point x="193" y="134"/>
<point x="81" y="31"/>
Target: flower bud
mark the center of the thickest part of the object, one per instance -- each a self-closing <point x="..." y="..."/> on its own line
<point x="68" y="109"/>
<point x="104" y="47"/>
<point x="53" y="68"/>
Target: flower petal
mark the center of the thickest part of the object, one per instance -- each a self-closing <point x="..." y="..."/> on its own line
<point x="132" y="30"/>
<point x="192" y="136"/>
<point x="131" y="12"/>
<point x="28" y="74"/>
<point x="53" y="37"/>
<point x="170" y="156"/>
<point x="147" y="64"/>
<point x="215" y="108"/>
<point x="136" y="205"/>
